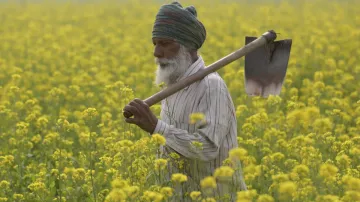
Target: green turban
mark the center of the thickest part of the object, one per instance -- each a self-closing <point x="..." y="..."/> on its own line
<point x="175" y="22"/>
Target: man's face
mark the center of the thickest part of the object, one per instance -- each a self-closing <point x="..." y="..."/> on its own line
<point x="172" y="59"/>
<point x="165" y="48"/>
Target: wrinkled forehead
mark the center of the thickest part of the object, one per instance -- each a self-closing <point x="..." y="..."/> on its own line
<point x="163" y="39"/>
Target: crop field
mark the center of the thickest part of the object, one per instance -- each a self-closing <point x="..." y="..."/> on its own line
<point x="67" y="69"/>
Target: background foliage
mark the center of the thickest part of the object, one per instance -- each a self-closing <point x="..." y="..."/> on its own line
<point x="67" y="69"/>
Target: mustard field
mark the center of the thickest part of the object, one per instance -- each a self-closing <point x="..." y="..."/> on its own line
<point x="68" y="69"/>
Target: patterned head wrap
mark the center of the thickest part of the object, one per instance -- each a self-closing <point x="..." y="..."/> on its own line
<point x="175" y="22"/>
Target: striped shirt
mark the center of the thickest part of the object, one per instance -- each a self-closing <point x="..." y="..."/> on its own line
<point x="218" y="136"/>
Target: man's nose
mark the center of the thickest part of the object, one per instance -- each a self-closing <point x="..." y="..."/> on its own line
<point x="158" y="52"/>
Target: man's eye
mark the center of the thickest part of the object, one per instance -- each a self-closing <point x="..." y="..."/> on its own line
<point x="165" y="43"/>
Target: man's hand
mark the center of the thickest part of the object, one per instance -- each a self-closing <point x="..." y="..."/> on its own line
<point x="143" y="116"/>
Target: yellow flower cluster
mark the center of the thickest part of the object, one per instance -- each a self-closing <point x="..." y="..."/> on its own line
<point x="224" y="173"/>
<point x="196" y="118"/>
<point x="195" y="195"/>
<point x="238" y="154"/>
<point x="178" y="177"/>
<point x="208" y="182"/>
<point x="160" y="164"/>
<point x="158" y="139"/>
<point x="246" y="196"/>
<point x="122" y="191"/>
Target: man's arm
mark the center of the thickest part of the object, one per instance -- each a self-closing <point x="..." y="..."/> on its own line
<point x="216" y="107"/>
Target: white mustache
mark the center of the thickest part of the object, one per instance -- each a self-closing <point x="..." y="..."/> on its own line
<point x="164" y="61"/>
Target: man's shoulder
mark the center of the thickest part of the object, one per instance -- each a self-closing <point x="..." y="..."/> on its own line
<point x="213" y="80"/>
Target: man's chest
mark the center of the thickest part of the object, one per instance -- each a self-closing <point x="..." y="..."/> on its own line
<point x="178" y="107"/>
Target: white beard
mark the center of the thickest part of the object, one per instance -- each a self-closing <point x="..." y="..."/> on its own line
<point x="169" y="70"/>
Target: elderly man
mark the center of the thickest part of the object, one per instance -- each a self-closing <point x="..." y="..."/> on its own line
<point x="200" y="147"/>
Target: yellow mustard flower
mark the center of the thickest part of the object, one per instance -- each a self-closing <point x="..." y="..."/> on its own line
<point x="63" y="124"/>
<point x="119" y="184"/>
<point x="196" y="117"/>
<point x="265" y="198"/>
<point x="352" y="183"/>
<point x="160" y="164"/>
<point x="6" y="160"/>
<point x="36" y="139"/>
<point x="132" y="191"/>
<point x="90" y="114"/>
<point x="178" y="177"/>
<point x="197" y="145"/>
<point x="223" y="172"/>
<point x="247" y="195"/>
<point x="116" y="195"/>
<point x="54" y="172"/>
<point x="167" y="191"/>
<point x="42" y="122"/>
<point x="281" y="177"/>
<point x="238" y="153"/>
<point x="351" y="196"/>
<point x="343" y="160"/>
<point x="273" y="100"/>
<point x="158" y="139"/>
<point x="287" y="190"/>
<point x="208" y="182"/>
<point x="240" y="109"/>
<point x="37" y="187"/>
<point x="4" y="185"/>
<point x="209" y="199"/>
<point x="195" y="195"/>
<point x="18" y="197"/>
<point x="329" y="198"/>
<point x="153" y="196"/>
<point x="301" y="170"/>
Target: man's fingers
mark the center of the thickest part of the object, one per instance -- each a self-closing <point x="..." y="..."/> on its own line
<point x="137" y="100"/>
<point x="142" y="104"/>
<point x="132" y="109"/>
<point x="127" y="114"/>
<point x="135" y="104"/>
<point x="131" y="120"/>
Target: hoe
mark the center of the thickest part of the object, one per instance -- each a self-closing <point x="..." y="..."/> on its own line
<point x="266" y="61"/>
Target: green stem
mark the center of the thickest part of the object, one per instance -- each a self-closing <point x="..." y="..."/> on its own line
<point x="91" y="166"/>
<point x="60" y="167"/>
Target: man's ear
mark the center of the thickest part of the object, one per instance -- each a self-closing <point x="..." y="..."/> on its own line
<point x="194" y="55"/>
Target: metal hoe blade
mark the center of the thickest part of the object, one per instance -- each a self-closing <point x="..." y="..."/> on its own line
<point x="265" y="67"/>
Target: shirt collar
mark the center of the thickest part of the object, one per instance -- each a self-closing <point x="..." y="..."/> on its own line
<point x="193" y="68"/>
